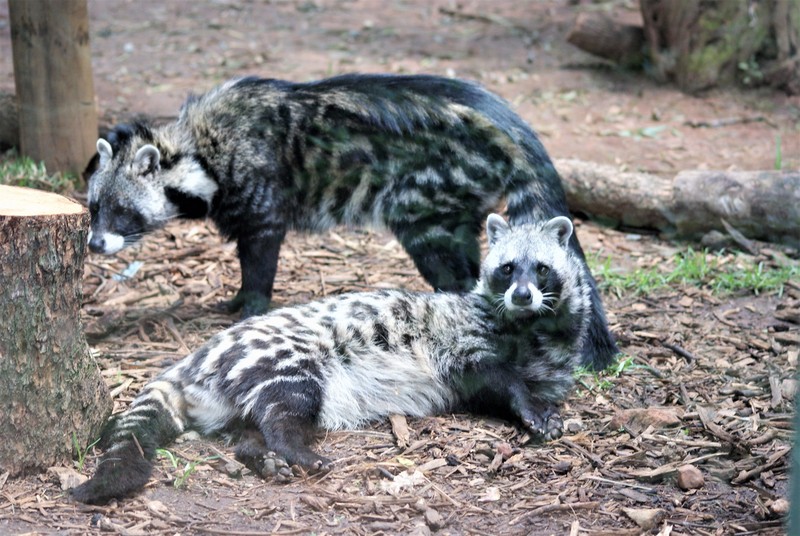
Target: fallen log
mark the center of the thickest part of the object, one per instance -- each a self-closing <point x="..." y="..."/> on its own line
<point x="761" y="205"/>
<point x="602" y="36"/>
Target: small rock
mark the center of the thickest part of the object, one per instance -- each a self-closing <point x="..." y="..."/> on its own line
<point x="563" y="467"/>
<point x="646" y="518"/>
<point x="779" y="507"/>
<point x="492" y="494"/>
<point x="505" y="449"/>
<point x="66" y="477"/>
<point x="690" y="477"/>
<point x="433" y="519"/>
<point x="715" y="240"/>
<point x="789" y="388"/>
<point x="232" y="469"/>
<point x="191" y="435"/>
<point x="573" y="426"/>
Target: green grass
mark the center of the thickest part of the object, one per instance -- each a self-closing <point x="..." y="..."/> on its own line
<point x="722" y="274"/>
<point x="22" y="171"/>
<point x="81" y="452"/>
<point x="188" y="468"/>
<point x="778" y="153"/>
<point x="594" y="381"/>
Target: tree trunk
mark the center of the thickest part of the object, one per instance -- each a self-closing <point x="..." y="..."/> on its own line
<point x="763" y="205"/>
<point x="53" y="77"/>
<point x="723" y="42"/>
<point x="50" y="386"/>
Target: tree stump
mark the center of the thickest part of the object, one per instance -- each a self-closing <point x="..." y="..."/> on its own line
<point x="50" y="386"/>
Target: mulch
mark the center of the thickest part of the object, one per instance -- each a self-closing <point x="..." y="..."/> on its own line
<point x="710" y="386"/>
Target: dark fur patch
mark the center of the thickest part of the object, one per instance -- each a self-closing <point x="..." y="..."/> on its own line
<point x="381" y="337"/>
<point x="189" y="206"/>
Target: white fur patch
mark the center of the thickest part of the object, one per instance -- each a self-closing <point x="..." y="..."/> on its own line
<point x="112" y="243"/>
<point x="355" y="395"/>
<point x="207" y="408"/>
<point x="196" y="182"/>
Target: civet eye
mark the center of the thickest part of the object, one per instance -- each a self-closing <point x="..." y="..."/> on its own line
<point x="507" y="269"/>
<point x="543" y="270"/>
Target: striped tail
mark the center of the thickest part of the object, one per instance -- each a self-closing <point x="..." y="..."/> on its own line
<point x="156" y="417"/>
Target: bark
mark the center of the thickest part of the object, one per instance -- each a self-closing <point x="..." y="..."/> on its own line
<point x="763" y="205"/>
<point x="50" y="386"/>
<point x="621" y="198"/>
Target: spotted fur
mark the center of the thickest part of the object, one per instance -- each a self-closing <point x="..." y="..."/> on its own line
<point x="427" y="157"/>
<point x="507" y="348"/>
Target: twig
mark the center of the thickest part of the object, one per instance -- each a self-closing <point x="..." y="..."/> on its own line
<point x="120" y="388"/>
<point x="687" y="355"/>
<point x="724" y="122"/>
<point x="490" y="18"/>
<point x="616" y="482"/>
<point x="766" y="437"/>
<point x="686" y="442"/>
<point x="716" y="430"/>
<point x="565" y="507"/>
<point x="746" y="244"/>
<point x="597" y="462"/>
<point x="771" y="462"/>
<point x="648" y="367"/>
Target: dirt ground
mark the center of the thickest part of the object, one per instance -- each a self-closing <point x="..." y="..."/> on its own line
<point x="712" y="380"/>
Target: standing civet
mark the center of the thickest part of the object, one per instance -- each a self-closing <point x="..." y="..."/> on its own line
<point x="508" y="348"/>
<point x="427" y="157"/>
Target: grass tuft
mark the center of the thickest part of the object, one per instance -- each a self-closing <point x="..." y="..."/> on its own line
<point x="80" y="453"/>
<point x="722" y="274"/>
<point x="188" y="468"/>
<point x="22" y="171"/>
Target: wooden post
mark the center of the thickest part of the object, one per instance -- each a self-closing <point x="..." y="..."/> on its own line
<point x="53" y="78"/>
<point x="50" y="386"/>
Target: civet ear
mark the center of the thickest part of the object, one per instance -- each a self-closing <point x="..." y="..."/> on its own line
<point x="560" y="228"/>
<point x="104" y="151"/>
<point x="496" y="228"/>
<point x="146" y="161"/>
